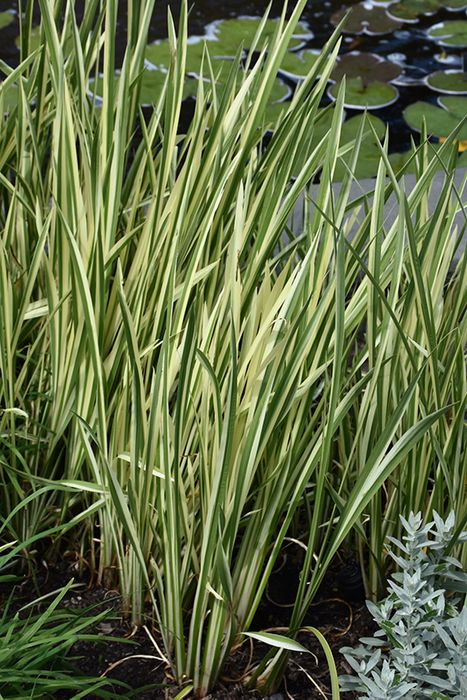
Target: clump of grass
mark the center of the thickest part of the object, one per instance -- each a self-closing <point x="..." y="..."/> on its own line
<point x="182" y="368"/>
<point x="37" y="655"/>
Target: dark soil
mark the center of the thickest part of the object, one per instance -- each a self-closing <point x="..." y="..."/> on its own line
<point x="339" y="612"/>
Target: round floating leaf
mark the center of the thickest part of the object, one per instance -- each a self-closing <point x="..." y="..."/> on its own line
<point x="223" y="40"/>
<point x="232" y="33"/>
<point x="440" y="121"/>
<point x="10" y="97"/>
<point x="280" y="91"/>
<point x="375" y="95"/>
<point x="366" y="18"/>
<point x="454" y="5"/>
<point x="452" y="33"/>
<point x="277" y="103"/>
<point x="456" y="105"/>
<point x="399" y="160"/>
<point x="34" y="39"/>
<point x="369" y="153"/>
<point x="158" y="56"/>
<point x="320" y="129"/>
<point x="152" y="84"/>
<point x="351" y="127"/>
<point x="298" y="65"/>
<point x="367" y="66"/>
<point x="35" y="36"/>
<point x="453" y="82"/>
<point x="6" y="18"/>
<point x="410" y="10"/>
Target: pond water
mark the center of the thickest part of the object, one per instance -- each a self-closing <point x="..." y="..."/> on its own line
<point x="407" y="44"/>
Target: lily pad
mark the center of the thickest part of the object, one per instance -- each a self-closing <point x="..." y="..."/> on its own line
<point x="222" y="40"/>
<point x="440" y="121"/>
<point x="367" y="163"/>
<point x="152" y="84"/>
<point x="454" y="5"/>
<point x="366" y="18"/>
<point x="452" y="33"/>
<point x="6" y="18"/>
<point x="399" y="160"/>
<point x="452" y="82"/>
<point x="410" y="10"/>
<point x="298" y="65"/>
<point x="457" y="104"/>
<point x="375" y="95"/>
<point x="367" y="66"/>
<point x="158" y="54"/>
<point x="230" y="34"/>
<point x="9" y="96"/>
<point x="158" y="57"/>
<point x="35" y="37"/>
<point x="351" y="126"/>
<point x="369" y="153"/>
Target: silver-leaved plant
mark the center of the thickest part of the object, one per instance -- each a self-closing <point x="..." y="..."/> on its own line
<point x="420" y="648"/>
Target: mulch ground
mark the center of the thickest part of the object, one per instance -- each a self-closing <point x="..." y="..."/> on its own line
<point x="338" y="611"/>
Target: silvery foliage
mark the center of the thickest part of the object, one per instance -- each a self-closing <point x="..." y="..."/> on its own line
<point x="420" y="650"/>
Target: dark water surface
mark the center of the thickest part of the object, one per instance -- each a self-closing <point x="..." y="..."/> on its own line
<point x="409" y="46"/>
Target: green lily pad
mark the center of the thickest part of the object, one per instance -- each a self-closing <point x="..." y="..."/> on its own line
<point x="367" y="164"/>
<point x="375" y="95"/>
<point x="277" y="103"/>
<point x="6" y="18"/>
<point x="223" y="40"/>
<point x="367" y="66"/>
<point x="10" y="97"/>
<point x="233" y="33"/>
<point x="399" y="160"/>
<point x="410" y="10"/>
<point x="34" y="39"/>
<point x="366" y="19"/>
<point x="452" y="33"/>
<point x="440" y="121"/>
<point x="351" y="126"/>
<point x="369" y="154"/>
<point x="453" y="82"/>
<point x="158" y="56"/>
<point x="454" y="5"/>
<point x="456" y="104"/>
<point x="298" y="65"/>
<point x="152" y="84"/>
